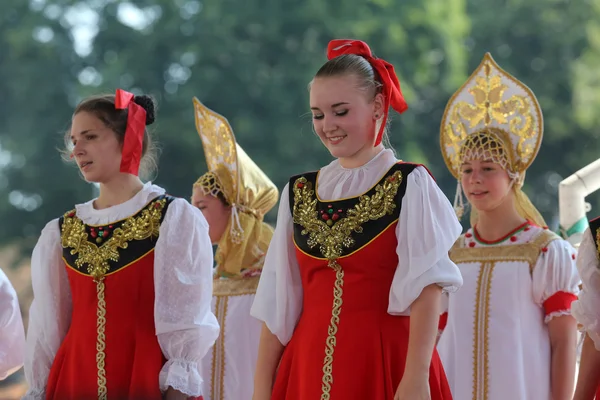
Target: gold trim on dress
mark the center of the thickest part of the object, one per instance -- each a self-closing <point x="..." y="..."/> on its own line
<point x="333" y="238"/>
<point x="96" y="258"/>
<point x="488" y="257"/>
<point x="523" y="252"/>
<point x="101" y="340"/>
<point x="481" y="332"/>
<point x="330" y="342"/>
<point x="235" y="287"/>
<point x="217" y="389"/>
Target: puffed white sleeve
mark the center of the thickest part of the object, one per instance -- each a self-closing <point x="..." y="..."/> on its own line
<point x="12" y="334"/>
<point x="555" y="280"/>
<point x="587" y="308"/>
<point x="186" y="328"/>
<point x="426" y="230"/>
<point x="278" y="300"/>
<point x="50" y="312"/>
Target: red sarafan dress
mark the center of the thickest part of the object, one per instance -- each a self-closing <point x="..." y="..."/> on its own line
<point x="587" y="308"/>
<point x="122" y="301"/>
<point x="341" y="274"/>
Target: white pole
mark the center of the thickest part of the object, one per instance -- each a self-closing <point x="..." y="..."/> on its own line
<point x="572" y="207"/>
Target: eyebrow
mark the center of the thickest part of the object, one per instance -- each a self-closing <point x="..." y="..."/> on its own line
<point x="82" y="133"/>
<point x="342" y="103"/>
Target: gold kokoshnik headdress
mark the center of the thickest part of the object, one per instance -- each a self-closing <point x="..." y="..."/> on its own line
<point x="245" y="187"/>
<point x="493" y="116"/>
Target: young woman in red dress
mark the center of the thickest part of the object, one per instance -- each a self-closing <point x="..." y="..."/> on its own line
<point x="351" y="286"/>
<point x="122" y="283"/>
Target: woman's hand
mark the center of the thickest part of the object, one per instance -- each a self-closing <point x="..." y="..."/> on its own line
<point x="413" y="388"/>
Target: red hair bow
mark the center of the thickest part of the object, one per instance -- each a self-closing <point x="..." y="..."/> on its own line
<point x="131" y="155"/>
<point x="391" y="86"/>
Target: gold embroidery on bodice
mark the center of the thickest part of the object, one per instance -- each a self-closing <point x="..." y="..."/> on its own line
<point x="332" y="239"/>
<point x="139" y="227"/>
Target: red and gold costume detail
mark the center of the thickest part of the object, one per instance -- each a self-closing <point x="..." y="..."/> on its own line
<point x="111" y="350"/>
<point x="346" y="253"/>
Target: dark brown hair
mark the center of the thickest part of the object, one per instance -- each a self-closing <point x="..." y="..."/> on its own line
<point x="103" y="107"/>
<point x="368" y="79"/>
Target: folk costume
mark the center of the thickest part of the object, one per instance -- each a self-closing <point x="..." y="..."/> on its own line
<point x="585" y="309"/>
<point x="230" y="364"/>
<point x="353" y="248"/>
<point x="495" y="345"/>
<point x="122" y="295"/>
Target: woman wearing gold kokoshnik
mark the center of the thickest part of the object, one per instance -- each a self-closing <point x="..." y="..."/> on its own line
<point x="509" y="332"/>
<point x="234" y="195"/>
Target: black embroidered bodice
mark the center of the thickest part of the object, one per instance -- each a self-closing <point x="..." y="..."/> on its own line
<point x="100" y="250"/>
<point x="332" y="229"/>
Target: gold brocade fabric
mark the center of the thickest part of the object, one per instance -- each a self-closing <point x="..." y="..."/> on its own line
<point x="494" y="116"/>
<point x="247" y="189"/>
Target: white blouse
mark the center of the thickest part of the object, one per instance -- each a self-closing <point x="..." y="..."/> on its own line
<point x="12" y="333"/>
<point x="183" y="260"/>
<point x="426" y="230"/>
<point x="587" y="309"/>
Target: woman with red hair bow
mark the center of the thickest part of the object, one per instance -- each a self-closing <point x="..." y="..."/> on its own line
<point x="122" y="284"/>
<point x="351" y="284"/>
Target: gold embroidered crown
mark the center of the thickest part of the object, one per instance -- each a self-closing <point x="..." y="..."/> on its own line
<point x="495" y="115"/>
<point x="245" y="187"/>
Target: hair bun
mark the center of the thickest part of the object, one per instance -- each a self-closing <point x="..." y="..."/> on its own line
<point x="147" y="103"/>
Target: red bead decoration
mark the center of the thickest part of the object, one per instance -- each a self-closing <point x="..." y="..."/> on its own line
<point x="513" y="238"/>
<point x="340" y="211"/>
<point x="545" y="249"/>
<point x="325" y="217"/>
<point x="110" y="226"/>
<point x="472" y="244"/>
<point x="573" y="256"/>
<point x="335" y="217"/>
<point x="71" y="214"/>
<point x="468" y="234"/>
<point x="93" y="233"/>
<point x="526" y="228"/>
<point x="300" y="185"/>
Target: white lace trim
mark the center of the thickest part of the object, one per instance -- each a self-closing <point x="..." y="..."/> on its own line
<point x="183" y="376"/>
<point x="555" y="314"/>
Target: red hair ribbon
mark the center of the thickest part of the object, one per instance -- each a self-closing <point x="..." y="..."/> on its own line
<point x="134" y="134"/>
<point x="391" y="86"/>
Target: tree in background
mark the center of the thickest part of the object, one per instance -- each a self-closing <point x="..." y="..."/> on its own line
<point x="252" y="61"/>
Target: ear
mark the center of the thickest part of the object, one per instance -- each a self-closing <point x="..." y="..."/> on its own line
<point x="378" y="106"/>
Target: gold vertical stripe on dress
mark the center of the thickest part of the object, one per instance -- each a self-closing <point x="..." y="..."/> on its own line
<point x="481" y="332"/>
<point x="332" y="330"/>
<point x="218" y="352"/>
<point x="101" y="340"/>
